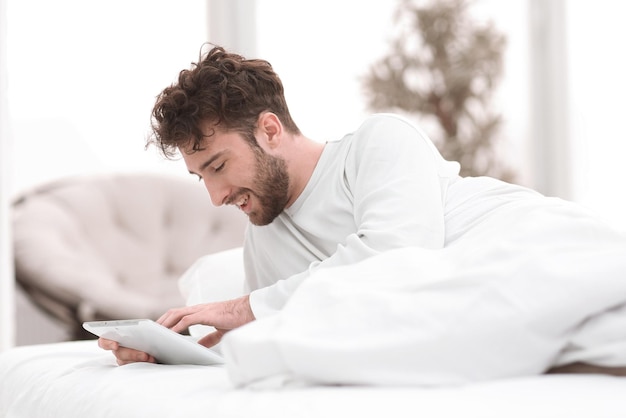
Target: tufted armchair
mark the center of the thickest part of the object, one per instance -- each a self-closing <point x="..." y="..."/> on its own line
<point x="108" y="247"/>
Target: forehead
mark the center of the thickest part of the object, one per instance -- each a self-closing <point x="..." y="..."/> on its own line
<point x="216" y="143"/>
<point x="212" y="134"/>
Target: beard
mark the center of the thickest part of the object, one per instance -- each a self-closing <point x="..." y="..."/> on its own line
<point x="271" y="188"/>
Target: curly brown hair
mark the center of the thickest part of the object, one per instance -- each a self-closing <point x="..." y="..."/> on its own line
<point x="224" y="89"/>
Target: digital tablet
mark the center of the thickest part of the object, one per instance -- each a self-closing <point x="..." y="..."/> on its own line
<point x="165" y="345"/>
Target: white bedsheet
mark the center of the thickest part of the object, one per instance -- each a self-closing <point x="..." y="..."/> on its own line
<point x="78" y="380"/>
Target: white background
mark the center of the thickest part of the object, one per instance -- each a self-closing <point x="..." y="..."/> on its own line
<point x="83" y="77"/>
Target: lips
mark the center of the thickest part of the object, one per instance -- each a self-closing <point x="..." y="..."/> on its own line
<point x="242" y="202"/>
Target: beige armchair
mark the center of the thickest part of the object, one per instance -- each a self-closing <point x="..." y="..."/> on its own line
<point x="109" y="247"/>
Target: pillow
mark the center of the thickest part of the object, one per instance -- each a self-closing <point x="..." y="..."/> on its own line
<point x="212" y="278"/>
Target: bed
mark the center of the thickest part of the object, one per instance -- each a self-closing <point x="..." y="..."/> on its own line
<point x="470" y="330"/>
<point x="76" y="379"/>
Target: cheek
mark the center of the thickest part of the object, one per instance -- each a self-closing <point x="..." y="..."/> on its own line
<point x="240" y="182"/>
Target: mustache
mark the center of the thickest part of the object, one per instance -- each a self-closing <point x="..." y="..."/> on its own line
<point x="236" y="196"/>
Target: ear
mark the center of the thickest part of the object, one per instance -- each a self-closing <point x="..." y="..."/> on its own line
<point x="270" y="129"/>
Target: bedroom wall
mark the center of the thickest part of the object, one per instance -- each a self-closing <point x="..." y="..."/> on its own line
<point x="322" y="55"/>
<point x="83" y="77"/>
<point x="324" y="49"/>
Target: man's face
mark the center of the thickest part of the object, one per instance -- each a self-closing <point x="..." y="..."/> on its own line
<point x="235" y="173"/>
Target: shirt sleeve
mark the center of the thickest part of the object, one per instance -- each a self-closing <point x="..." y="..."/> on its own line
<point x="397" y="181"/>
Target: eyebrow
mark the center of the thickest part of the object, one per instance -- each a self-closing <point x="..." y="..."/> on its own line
<point x="208" y="162"/>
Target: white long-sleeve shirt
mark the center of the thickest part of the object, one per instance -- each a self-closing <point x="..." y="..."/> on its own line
<point x="379" y="188"/>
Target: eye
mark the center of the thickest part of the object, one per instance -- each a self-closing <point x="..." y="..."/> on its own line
<point x="219" y="168"/>
<point x="199" y="177"/>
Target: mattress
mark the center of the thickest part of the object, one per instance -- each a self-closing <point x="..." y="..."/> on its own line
<point x="78" y="379"/>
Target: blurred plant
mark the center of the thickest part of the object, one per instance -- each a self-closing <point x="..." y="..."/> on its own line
<point x="444" y="66"/>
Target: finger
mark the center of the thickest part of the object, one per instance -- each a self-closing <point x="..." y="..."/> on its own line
<point x="184" y="323"/>
<point x="172" y="316"/>
<point x="121" y="362"/>
<point x="180" y="319"/>
<point x="211" y="339"/>
<point x="127" y="355"/>
<point x="163" y="318"/>
<point x="107" y="344"/>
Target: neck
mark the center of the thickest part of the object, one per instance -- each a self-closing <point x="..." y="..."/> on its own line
<point x="301" y="164"/>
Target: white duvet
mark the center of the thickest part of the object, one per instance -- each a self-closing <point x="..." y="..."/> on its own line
<point x="531" y="286"/>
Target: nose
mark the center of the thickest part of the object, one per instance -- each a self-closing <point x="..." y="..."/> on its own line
<point x="217" y="191"/>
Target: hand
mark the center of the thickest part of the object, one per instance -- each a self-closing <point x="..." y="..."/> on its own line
<point x="223" y="316"/>
<point x="124" y="355"/>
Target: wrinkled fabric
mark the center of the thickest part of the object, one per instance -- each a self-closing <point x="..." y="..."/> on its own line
<point x="533" y="283"/>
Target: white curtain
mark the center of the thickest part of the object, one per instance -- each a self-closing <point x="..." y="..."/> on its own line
<point x="597" y="90"/>
<point x="7" y="285"/>
<point x="232" y="24"/>
<point x="549" y="98"/>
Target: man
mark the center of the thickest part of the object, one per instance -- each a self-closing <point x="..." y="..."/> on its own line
<point x="311" y="205"/>
<point x="380" y="223"/>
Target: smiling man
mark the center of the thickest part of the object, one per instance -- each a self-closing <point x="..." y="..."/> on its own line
<point x="314" y="206"/>
<point x="373" y="244"/>
<point x="310" y="204"/>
